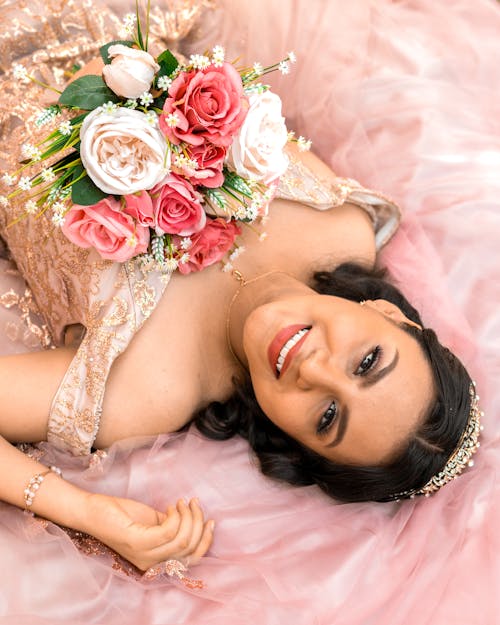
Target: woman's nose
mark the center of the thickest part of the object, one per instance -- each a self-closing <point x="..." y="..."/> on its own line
<point x="319" y="369"/>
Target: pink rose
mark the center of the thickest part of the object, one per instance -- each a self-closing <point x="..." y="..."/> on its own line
<point x="140" y="207"/>
<point x="176" y="207"/>
<point x="106" y="228"/>
<point x="210" y="245"/>
<point x="209" y="105"/>
<point x="210" y="159"/>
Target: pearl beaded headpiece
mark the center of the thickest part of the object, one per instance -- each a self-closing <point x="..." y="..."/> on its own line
<point x="460" y="458"/>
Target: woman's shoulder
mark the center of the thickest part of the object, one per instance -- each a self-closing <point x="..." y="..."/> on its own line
<point x="309" y="180"/>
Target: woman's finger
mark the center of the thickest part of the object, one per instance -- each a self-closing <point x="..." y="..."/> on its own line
<point x="197" y="527"/>
<point x="204" y="544"/>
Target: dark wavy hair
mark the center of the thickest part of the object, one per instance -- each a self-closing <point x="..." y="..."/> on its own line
<point x="283" y="458"/>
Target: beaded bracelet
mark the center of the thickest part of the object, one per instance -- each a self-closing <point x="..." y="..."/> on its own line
<point x="34" y="484"/>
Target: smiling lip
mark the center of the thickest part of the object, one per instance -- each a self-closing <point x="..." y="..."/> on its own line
<point x="279" y="341"/>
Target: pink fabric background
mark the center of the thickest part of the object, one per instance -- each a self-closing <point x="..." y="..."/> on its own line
<point x="404" y="96"/>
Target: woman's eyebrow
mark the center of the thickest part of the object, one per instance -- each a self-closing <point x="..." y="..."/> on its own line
<point x="369" y="381"/>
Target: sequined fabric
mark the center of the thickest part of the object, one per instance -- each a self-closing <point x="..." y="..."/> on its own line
<point x="75" y="286"/>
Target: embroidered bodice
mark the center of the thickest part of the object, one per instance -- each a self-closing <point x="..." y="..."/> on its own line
<point x="75" y="286"/>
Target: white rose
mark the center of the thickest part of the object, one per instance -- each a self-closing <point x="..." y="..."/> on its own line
<point x="131" y="71"/>
<point x="121" y="151"/>
<point x="257" y="149"/>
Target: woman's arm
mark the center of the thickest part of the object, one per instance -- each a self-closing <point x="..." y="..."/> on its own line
<point x="139" y="533"/>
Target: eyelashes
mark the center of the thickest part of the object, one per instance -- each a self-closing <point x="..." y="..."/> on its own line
<point x="327" y="419"/>
<point x="330" y="415"/>
<point x="369" y="361"/>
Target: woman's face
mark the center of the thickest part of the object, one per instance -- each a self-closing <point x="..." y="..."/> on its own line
<point x="341" y="378"/>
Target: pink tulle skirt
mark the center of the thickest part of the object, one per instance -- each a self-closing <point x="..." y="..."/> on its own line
<point x="403" y="96"/>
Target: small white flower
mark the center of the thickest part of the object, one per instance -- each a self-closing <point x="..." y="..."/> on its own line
<point x="290" y="136"/>
<point x="238" y="251"/>
<point x="303" y="144"/>
<point x="27" y="150"/>
<point x="257" y="69"/>
<point x="252" y="212"/>
<point x="131" y="104"/>
<point x="218" y="54"/>
<point x="31" y="152"/>
<point x="186" y="243"/>
<point x="284" y="68"/>
<point x="48" y="175"/>
<point x="262" y="236"/>
<point x="292" y="57"/>
<point x="180" y="161"/>
<point x="146" y="98"/>
<point x="59" y="207"/>
<point x="58" y="219"/>
<point x="164" y="82"/>
<point x="172" y="120"/>
<point x="199" y="61"/>
<point x="257" y="200"/>
<point x="109" y="107"/>
<point x="20" y="73"/>
<point x="31" y="207"/>
<point x="3" y="201"/>
<point x="240" y="212"/>
<point x="184" y="258"/>
<point x="24" y="183"/>
<point x="171" y="264"/>
<point x="65" y="128"/>
<point x="8" y="180"/>
<point x="151" y="118"/>
<point x="128" y="25"/>
<point x="227" y="267"/>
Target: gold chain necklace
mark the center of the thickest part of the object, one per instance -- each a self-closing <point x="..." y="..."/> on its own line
<point x="242" y="283"/>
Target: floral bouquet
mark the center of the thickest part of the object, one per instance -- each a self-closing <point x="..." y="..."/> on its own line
<point x="158" y="158"/>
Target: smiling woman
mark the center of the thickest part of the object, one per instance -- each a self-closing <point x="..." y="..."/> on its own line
<point x="359" y="399"/>
<point x="367" y="404"/>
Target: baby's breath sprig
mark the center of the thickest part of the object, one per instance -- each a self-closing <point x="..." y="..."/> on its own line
<point x="21" y="73"/>
<point x="251" y="74"/>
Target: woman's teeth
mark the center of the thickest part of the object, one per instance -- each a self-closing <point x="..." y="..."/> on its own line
<point x="288" y="346"/>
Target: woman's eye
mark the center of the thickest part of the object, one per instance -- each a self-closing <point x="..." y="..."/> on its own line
<point x="327" y="419"/>
<point x="369" y="361"/>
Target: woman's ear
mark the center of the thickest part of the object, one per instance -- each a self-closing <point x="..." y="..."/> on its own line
<point x="391" y="311"/>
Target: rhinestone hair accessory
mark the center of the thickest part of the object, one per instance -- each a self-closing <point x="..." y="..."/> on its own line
<point x="460" y="459"/>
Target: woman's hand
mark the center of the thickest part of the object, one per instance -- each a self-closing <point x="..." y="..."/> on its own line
<point x="145" y="536"/>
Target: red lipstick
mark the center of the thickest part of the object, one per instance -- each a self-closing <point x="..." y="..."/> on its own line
<point x="279" y="341"/>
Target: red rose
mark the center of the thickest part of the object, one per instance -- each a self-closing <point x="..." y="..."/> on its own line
<point x="209" y="106"/>
<point x="210" y="244"/>
<point x="176" y="207"/>
<point x="210" y="159"/>
<point x="140" y="207"/>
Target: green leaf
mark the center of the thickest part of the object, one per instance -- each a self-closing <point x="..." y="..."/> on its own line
<point x="83" y="190"/>
<point x="87" y="93"/>
<point x="104" y="49"/>
<point x="216" y="196"/>
<point x="167" y="62"/>
<point x="237" y="183"/>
